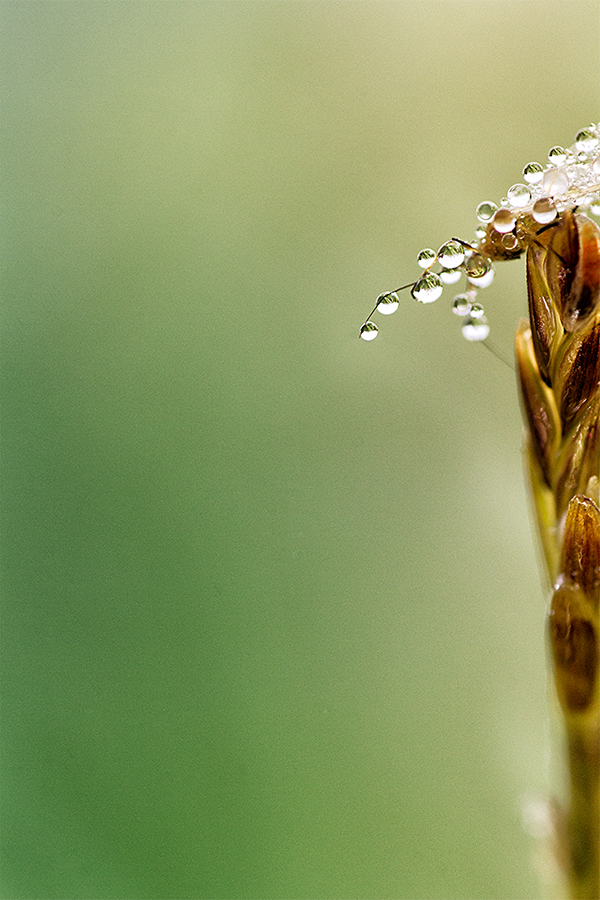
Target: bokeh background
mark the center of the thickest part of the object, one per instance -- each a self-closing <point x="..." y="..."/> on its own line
<point x="272" y="614"/>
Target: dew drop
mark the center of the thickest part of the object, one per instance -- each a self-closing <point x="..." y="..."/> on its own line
<point x="519" y="195"/>
<point x="477" y="265"/>
<point x="485" y="211"/>
<point x="484" y="280"/>
<point x="450" y="276"/>
<point x="539" y="820"/>
<point x="480" y="232"/>
<point x="509" y="241"/>
<point x="555" y="181"/>
<point x="594" y="204"/>
<point x="533" y="172"/>
<point x="596" y="166"/>
<point x="451" y="255"/>
<point x="461" y="305"/>
<point x="544" y="210"/>
<point x="428" y="288"/>
<point x="475" y="329"/>
<point x="369" y="331"/>
<point x="586" y="140"/>
<point x="504" y="220"/>
<point x="426" y="258"/>
<point x="557" y="155"/>
<point x="522" y="231"/>
<point x="388" y="303"/>
<point x="477" y="311"/>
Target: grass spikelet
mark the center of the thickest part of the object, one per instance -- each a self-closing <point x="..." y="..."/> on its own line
<point x="558" y="363"/>
<point x="558" y="360"/>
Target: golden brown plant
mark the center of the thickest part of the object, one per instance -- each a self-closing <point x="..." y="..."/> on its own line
<point x="558" y="358"/>
<point x="558" y="362"/>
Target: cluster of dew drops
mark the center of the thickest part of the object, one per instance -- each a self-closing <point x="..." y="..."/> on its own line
<point x="571" y="178"/>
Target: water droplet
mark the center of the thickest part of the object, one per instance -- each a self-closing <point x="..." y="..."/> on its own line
<point x="450" y="276"/>
<point x="477" y="265"/>
<point x="482" y="281"/>
<point x="555" y="181"/>
<point x="596" y="166"/>
<point x="539" y="819"/>
<point x="594" y="204"/>
<point x="504" y="220"/>
<point x="388" y="303"/>
<point x="557" y="155"/>
<point x="522" y="231"/>
<point x="477" y="311"/>
<point x="475" y="329"/>
<point x="480" y="232"/>
<point x="451" y="255"/>
<point x="544" y="210"/>
<point x="586" y="140"/>
<point x="369" y="331"/>
<point x="428" y="288"/>
<point x="461" y="305"/>
<point x="485" y="211"/>
<point x="509" y="241"/>
<point x="519" y="195"/>
<point x="426" y="258"/>
<point x="532" y="173"/>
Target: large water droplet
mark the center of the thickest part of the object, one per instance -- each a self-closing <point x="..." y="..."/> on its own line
<point x="544" y="210"/>
<point x="504" y="220"/>
<point x="586" y="140"/>
<point x="388" y="303"/>
<point x="518" y="195"/>
<point x="484" y="280"/>
<point x="477" y="311"/>
<point x="485" y="211"/>
<point x="557" y="155"/>
<point x="450" y="276"/>
<point x="461" y="305"/>
<point x="475" y="329"/>
<point x="426" y="258"/>
<point x="451" y="255"/>
<point x="369" y="331"/>
<point x="477" y="265"/>
<point x="555" y="181"/>
<point x="428" y="288"/>
<point x="533" y="172"/>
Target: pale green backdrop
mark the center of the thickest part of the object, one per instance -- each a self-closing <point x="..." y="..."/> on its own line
<point x="272" y="618"/>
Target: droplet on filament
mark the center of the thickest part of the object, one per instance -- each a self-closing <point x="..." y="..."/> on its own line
<point x="428" y="288"/>
<point x="388" y="303"/>
<point x="369" y="331"/>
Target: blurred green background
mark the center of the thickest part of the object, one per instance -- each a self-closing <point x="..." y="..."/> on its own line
<point x="272" y="616"/>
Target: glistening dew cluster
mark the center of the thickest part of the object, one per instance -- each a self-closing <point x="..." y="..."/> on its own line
<point x="570" y="179"/>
